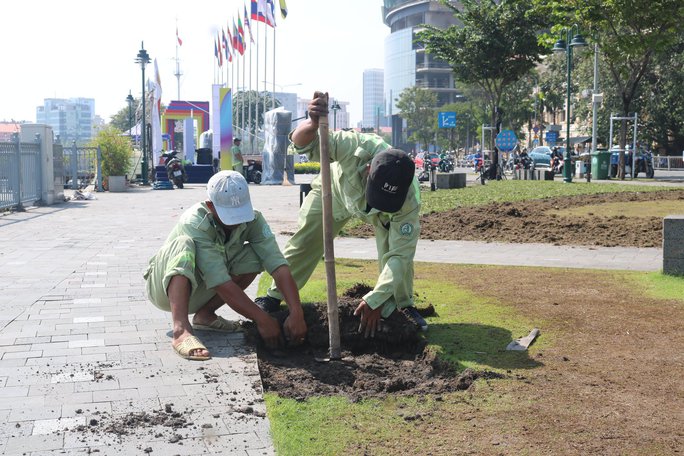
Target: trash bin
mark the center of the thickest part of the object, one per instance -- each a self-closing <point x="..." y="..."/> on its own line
<point x="600" y="163"/>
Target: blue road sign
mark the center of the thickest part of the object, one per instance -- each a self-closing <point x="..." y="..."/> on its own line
<point x="551" y="137"/>
<point x="447" y="119"/>
<point x="506" y="140"/>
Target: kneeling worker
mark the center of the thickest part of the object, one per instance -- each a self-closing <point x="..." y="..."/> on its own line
<point x="212" y="255"/>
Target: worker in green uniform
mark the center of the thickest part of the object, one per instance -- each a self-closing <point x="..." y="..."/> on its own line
<point x="210" y="257"/>
<point x="370" y="181"/>
<point x="236" y="155"/>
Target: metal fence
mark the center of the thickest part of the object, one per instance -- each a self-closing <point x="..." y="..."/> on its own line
<point x="81" y="167"/>
<point x="20" y="173"/>
<point x="670" y="163"/>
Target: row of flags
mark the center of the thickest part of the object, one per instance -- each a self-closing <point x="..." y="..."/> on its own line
<point x="231" y="44"/>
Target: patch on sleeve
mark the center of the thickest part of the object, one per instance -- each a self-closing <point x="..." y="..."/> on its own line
<point x="266" y="231"/>
<point x="406" y="229"/>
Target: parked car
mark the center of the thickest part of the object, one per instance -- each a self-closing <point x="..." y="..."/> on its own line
<point x="420" y="159"/>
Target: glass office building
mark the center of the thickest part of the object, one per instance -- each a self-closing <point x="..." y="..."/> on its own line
<point x="406" y="62"/>
<point x="71" y="119"/>
<point x="374" y="99"/>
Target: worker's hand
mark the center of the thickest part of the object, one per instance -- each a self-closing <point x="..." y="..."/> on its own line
<point x="269" y="330"/>
<point x="295" y="328"/>
<point x="370" y="318"/>
<point x="318" y="107"/>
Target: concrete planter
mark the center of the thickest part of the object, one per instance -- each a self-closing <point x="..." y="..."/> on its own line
<point x="117" y="183"/>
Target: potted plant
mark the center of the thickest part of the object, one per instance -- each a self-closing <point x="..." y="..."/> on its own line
<point x="116" y="152"/>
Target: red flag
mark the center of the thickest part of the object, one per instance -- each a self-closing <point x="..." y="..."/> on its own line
<point x="180" y="42"/>
<point x="220" y="54"/>
<point x="248" y="26"/>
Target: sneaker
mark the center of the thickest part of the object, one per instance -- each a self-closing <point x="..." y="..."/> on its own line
<point x="268" y="303"/>
<point x="417" y="318"/>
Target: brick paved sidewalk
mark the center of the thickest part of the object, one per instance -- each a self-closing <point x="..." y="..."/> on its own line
<point x="82" y="349"/>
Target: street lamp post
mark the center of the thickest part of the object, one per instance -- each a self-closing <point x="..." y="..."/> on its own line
<point x="129" y="99"/>
<point x="143" y="59"/>
<point x="566" y="46"/>
<point x="335" y="107"/>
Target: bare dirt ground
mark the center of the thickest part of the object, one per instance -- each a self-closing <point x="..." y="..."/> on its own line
<point x="532" y="221"/>
<point x="606" y="381"/>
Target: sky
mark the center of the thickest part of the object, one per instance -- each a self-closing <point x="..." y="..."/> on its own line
<point x="79" y="48"/>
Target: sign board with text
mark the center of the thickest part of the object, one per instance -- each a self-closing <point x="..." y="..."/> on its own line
<point x="447" y="119"/>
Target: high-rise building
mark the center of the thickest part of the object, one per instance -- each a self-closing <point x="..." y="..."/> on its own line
<point x="406" y="62"/>
<point x="374" y="99"/>
<point x="71" y="119"/>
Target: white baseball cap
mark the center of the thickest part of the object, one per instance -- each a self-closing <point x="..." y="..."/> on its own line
<point x="229" y="192"/>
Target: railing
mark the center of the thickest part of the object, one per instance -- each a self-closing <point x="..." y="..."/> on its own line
<point x="20" y="173"/>
<point x="670" y="163"/>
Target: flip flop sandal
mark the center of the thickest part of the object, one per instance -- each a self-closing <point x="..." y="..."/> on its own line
<point x="220" y="325"/>
<point x="186" y="347"/>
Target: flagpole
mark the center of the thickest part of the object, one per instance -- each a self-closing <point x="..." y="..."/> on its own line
<point x="178" y="73"/>
<point x="256" y="106"/>
<point x="274" y="67"/>
<point x="249" y="124"/>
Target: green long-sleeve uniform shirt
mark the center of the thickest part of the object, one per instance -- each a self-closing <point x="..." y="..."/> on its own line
<point x="396" y="234"/>
<point x="199" y="249"/>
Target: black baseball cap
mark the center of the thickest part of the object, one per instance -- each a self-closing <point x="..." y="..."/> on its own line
<point x="389" y="179"/>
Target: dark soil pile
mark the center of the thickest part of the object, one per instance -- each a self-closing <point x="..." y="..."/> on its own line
<point x="394" y="361"/>
<point x="532" y="222"/>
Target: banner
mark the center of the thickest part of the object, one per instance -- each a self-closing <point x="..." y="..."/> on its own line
<point x="226" y="127"/>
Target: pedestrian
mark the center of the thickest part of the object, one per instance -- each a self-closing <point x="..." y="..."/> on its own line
<point x="372" y="182"/>
<point x="211" y="256"/>
<point x="237" y="156"/>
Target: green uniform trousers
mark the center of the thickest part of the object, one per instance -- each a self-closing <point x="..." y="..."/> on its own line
<point x="178" y="258"/>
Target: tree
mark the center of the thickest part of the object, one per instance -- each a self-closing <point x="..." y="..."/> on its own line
<point x="116" y="151"/>
<point x="417" y="107"/>
<point x="493" y="48"/>
<point x="120" y="120"/>
<point x="632" y="35"/>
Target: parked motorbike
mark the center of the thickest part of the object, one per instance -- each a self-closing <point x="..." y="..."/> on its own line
<point x="644" y="164"/>
<point x="174" y="169"/>
<point x="252" y="171"/>
<point x="424" y="174"/>
<point x="446" y="165"/>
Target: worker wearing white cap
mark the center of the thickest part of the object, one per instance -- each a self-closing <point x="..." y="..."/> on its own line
<point x="210" y="257"/>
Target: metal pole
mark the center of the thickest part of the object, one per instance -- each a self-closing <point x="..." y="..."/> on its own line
<point x="594" y="121"/>
<point x="17" y="171"/>
<point x="634" y="144"/>
<point x="567" y="172"/>
<point x="74" y="166"/>
<point x="99" y="170"/>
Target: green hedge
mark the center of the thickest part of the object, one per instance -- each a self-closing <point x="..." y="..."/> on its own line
<point x="307" y="168"/>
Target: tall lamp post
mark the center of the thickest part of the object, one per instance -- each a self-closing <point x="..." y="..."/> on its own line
<point x="143" y="59"/>
<point x="566" y="45"/>
<point x="129" y="99"/>
<point x="335" y="107"/>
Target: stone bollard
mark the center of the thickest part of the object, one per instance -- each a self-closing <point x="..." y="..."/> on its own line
<point x="673" y="245"/>
<point x="451" y="180"/>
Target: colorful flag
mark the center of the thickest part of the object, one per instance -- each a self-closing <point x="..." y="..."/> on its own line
<point x="265" y="14"/>
<point x="283" y="9"/>
<point x="180" y="42"/>
<point x="226" y="48"/>
<point x="255" y="10"/>
<point x="220" y="54"/>
<point x="237" y="38"/>
<point x="229" y="44"/>
<point x="248" y="26"/>
<point x="241" y="31"/>
<point x="270" y="13"/>
<point x="215" y="51"/>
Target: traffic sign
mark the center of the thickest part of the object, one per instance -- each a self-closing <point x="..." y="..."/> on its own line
<point x="447" y="119"/>
<point x="551" y="136"/>
<point x="506" y="140"/>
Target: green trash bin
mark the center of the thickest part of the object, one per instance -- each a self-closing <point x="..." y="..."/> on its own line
<point x="600" y="164"/>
